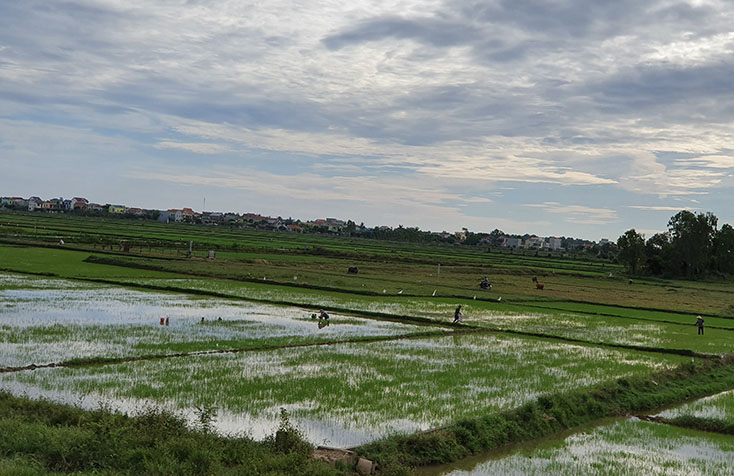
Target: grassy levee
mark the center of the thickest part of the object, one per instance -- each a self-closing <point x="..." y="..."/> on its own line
<point x="42" y="438"/>
<point x="713" y="425"/>
<point x="552" y="413"/>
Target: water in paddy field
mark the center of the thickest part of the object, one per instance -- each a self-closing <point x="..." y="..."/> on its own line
<point x="53" y="320"/>
<point x="613" y="447"/>
<point x="44" y="321"/>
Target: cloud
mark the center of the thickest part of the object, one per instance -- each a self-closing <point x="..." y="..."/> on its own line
<point x="195" y="147"/>
<point x="578" y="213"/>
<point x="433" y="104"/>
<point x="658" y="208"/>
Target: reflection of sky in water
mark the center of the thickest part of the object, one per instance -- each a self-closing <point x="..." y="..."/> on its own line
<point x="40" y="325"/>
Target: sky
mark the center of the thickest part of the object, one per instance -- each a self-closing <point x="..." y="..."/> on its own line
<point x="578" y="118"/>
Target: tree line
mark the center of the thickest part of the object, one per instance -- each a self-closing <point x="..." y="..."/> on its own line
<point x="693" y="247"/>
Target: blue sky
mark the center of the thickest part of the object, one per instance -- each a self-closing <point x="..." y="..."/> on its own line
<point x="566" y="117"/>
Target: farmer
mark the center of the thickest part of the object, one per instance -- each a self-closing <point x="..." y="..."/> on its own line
<point x="699" y="324"/>
<point x="458" y="315"/>
<point x="323" y="314"/>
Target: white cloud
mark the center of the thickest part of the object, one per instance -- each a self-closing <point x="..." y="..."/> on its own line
<point x="196" y="147"/>
<point x="405" y="102"/>
<point x="578" y="213"/>
<point x="658" y="208"/>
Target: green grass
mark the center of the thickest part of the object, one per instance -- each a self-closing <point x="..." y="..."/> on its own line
<point x="40" y="438"/>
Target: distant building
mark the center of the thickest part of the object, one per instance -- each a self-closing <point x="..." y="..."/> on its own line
<point x="34" y="203"/>
<point x="134" y="211"/>
<point x="174" y="215"/>
<point x="116" y="209"/>
<point x="79" y="203"/>
<point x="534" y="242"/>
<point x="511" y="242"/>
<point x="554" y="243"/>
<point x="53" y="205"/>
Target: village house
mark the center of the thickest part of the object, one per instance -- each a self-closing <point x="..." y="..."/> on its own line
<point x="79" y="203"/>
<point x="53" y="205"/>
<point x="174" y="214"/>
<point x="508" y="242"/>
<point x="554" y="243"/>
<point x="534" y="242"/>
<point x="34" y="203"/>
<point x="134" y="211"/>
<point x="116" y="209"/>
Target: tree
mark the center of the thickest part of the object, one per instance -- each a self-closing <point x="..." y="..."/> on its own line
<point x="692" y="237"/>
<point x="631" y="250"/>
<point x="350" y="227"/>
<point x="495" y="237"/>
<point x="657" y="253"/>
<point x="723" y="250"/>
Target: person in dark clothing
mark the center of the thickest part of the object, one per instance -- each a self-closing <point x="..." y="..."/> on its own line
<point x="458" y="315"/>
<point x="699" y="324"/>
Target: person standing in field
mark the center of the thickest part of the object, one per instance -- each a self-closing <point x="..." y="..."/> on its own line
<point x="699" y="324"/>
<point x="458" y="315"/>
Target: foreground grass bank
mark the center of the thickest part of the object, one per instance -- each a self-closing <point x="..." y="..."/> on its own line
<point x="553" y="413"/>
<point x="42" y="438"/>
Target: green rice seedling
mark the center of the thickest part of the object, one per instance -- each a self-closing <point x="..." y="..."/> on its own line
<point x="622" y="447"/>
<point x="352" y="393"/>
<point x="715" y="407"/>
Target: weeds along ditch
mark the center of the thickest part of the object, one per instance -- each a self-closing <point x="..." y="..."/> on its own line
<point x="713" y="414"/>
<point x="348" y="394"/>
<point x="719" y="407"/>
<point x="627" y="446"/>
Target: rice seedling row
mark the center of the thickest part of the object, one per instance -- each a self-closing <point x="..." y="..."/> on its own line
<point x="356" y="391"/>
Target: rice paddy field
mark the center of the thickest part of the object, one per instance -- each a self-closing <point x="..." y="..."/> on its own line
<point x="89" y="325"/>
<point x="717" y="407"/>
<point x="625" y="447"/>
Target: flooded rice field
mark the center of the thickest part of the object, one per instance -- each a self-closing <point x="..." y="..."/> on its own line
<point x="351" y="393"/>
<point x="52" y="320"/>
<point x="339" y="389"/>
<point x="623" y="447"/>
<point x="719" y="407"/>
